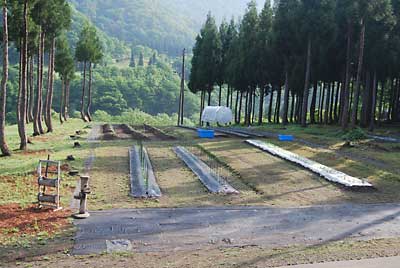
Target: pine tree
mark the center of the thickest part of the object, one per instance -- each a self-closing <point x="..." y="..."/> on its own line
<point x="318" y="22"/>
<point x="374" y="11"/>
<point x="65" y="66"/>
<point x="141" y="59"/>
<point x="264" y="65"/>
<point x="248" y="39"/>
<point x="154" y="58"/>
<point x="82" y="54"/>
<point x="96" y="55"/>
<point x="132" y="63"/>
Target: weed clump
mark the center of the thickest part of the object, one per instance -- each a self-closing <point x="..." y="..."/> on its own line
<point x="356" y="134"/>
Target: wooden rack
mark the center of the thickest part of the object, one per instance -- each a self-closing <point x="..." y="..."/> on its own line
<point x="49" y="184"/>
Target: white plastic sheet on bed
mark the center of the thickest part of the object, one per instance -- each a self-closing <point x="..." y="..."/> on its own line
<point x="328" y="173"/>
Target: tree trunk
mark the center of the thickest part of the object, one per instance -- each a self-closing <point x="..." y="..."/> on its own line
<point x="31" y="89"/>
<point x="236" y="106"/>
<point x="286" y="99"/>
<point x="246" y="108"/>
<point x="381" y="102"/>
<point x="83" y="116"/>
<point x="89" y="103"/>
<point x="23" y="90"/>
<point x="28" y="92"/>
<point x="332" y="102"/>
<point x="240" y="108"/>
<point x="298" y="109"/>
<point x="3" y="93"/>
<point x="201" y="106"/>
<point x="220" y="95"/>
<point x="37" y="121"/>
<point x="327" y="104"/>
<point x="50" y="86"/>
<point x="271" y="101"/>
<point x="62" y="102"/>
<point x="292" y="107"/>
<point x="322" y="102"/>
<point x="359" y="72"/>
<point x="366" y="101"/>
<point x="373" y="104"/>
<point x="278" y="106"/>
<point x="227" y="97"/>
<point x="346" y="92"/>
<point x="395" y="108"/>
<point x="337" y="100"/>
<point x="313" y="102"/>
<point x="231" y="104"/>
<point x="306" y="86"/>
<point x="261" y="107"/>
<point x="253" y="106"/>
<point x="66" y="100"/>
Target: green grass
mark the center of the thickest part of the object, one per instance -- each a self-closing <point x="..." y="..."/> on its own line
<point x="18" y="172"/>
<point x="57" y="144"/>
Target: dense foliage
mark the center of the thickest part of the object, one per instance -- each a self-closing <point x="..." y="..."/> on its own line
<point x="326" y="61"/>
<point x="164" y="25"/>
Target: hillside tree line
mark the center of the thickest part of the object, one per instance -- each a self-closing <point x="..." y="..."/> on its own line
<point x="304" y="61"/>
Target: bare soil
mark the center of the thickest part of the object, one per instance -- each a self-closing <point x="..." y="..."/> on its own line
<point x="240" y="257"/>
<point x="16" y="221"/>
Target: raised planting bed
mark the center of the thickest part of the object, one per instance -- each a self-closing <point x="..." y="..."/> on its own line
<point x="328" y="173"/>
<point x="143" y="180"/>
<point x="109" y="132"/>
<point x="232" y="133"/>
<point x="212" y="181"/>
<point x="242" y="132"/>
<point x="135" y="134"/>
<point x="158" y="132"/>
<point x="384" y="138"/>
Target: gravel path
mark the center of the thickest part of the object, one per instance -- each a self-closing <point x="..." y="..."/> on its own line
<point x="155" y="230"/>
<point x="93" y="137"/>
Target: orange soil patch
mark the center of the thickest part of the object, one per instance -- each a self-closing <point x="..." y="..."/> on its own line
<point x="18" y="221"/>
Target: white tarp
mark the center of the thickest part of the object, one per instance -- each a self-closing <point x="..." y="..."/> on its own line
<point x="324" y="171"/>
<point x="217" y="114"/>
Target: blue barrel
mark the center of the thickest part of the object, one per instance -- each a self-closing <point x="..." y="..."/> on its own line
<point x="286" y="137"/>
<point x="206" y="133"/>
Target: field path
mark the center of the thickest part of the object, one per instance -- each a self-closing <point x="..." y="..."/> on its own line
<point x="165" y="230"/>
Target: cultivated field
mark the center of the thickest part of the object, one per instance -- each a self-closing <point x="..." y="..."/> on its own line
<point x="42" y="238"/>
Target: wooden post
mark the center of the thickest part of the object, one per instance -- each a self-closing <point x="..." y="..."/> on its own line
<point x="83" y="214"/>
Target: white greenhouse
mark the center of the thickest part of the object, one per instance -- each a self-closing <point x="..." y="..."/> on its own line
<point x="217" y="114"/>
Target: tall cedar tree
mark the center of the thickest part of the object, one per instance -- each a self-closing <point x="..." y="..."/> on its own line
<point x="65" y="67"/>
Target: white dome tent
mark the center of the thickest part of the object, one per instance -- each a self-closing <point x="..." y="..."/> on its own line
<point x="217" y="114"/>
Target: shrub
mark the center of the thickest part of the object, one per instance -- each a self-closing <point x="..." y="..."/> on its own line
<point x="354" y="135"/>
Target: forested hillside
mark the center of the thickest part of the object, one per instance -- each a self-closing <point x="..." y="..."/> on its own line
<point x="113" y="47"/>
<point x="165" y="25"/>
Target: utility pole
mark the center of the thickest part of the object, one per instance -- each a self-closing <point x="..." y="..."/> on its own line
<point x="182" y="93"/>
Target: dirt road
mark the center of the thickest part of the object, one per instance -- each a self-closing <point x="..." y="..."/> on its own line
<point x="155" y="230"/>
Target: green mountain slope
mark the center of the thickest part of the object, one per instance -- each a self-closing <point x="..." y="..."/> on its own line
<point x="114" y="48"/>
<point x="165" y="25"/>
